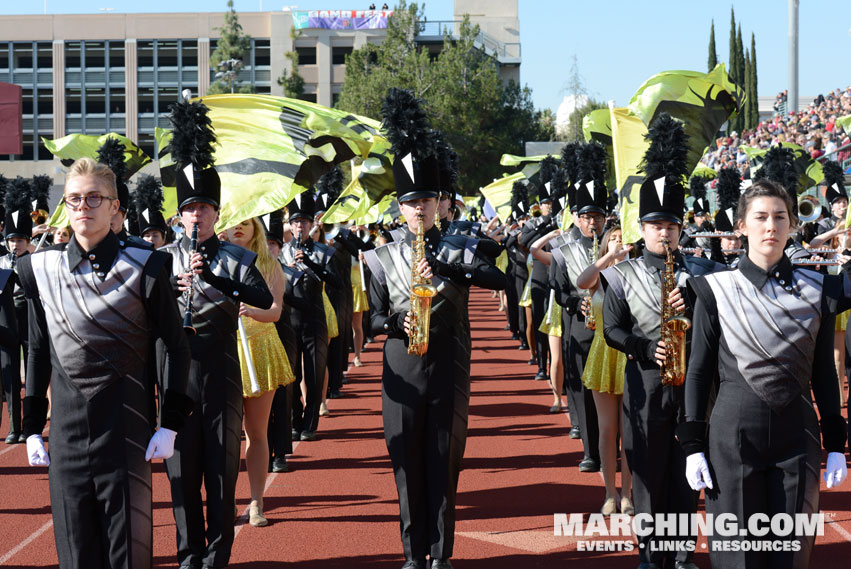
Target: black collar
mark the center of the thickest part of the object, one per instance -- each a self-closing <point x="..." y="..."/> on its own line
<point x="586" y="242"/>
<point x="782" y="272"/>
<point x="102" y="255"/>
<point x="657" y="261"/>
<point x="208" y="248"/>
<point x="432" y="238"/>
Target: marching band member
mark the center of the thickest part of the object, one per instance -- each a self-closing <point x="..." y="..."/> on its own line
<point x="94" y="305"/>
<point x="148" y="200"/>
<point x="766" y="330"/>
<point x="215" y="278"/>
<point x="424" y="399"/>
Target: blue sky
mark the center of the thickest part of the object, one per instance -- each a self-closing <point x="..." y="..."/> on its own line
<point x="618" y="43"/>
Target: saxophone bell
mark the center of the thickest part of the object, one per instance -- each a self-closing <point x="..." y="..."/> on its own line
<point x="590" y="319"/>
<point x="422" y="291"/>
<point x="674" y="327"/>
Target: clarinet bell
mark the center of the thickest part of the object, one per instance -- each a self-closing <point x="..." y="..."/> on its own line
<point x="187" y="325"/>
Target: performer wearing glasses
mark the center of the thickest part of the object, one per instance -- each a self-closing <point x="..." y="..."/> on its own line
<point x="94" y="306"/>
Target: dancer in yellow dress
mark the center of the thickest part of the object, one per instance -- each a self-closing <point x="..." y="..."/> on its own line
<point x="604" y="375"/>
<point x="271" y="366"/>
<point x="361" y="305"/>
<point x="551" y="324"/>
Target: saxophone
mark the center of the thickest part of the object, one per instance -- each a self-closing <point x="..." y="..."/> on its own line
<point x="674" y="326"/>
<point x="422" y="292"/>
<point x="590" y="319"/>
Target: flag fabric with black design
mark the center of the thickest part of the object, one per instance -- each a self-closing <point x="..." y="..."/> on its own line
<point x="18" y="205"/>
<point x="834" y="180"/>
<point x="148" y="202"/>
<point x="697" y="190"/>
<point x="329" y="188"/>
<point x="662" y="195"/>
<point x="191" y="146"/>
<point x="303" y="206"/>
<point x="728" y="186"/>
<point x="808" y="170"/>
<point x="416" y="168"/>
<point x="71" y="148"/>
<point x="591" y="195"/>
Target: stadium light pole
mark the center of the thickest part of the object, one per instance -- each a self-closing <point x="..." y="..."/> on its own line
<point x="792" y="99"/>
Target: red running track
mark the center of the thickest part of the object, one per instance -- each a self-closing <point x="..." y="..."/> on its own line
<point x="337" y="508"/>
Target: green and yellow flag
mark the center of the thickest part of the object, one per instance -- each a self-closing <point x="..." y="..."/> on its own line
<point x="845" y="123"/>
<point x="498" y="193"/>
<point x="268" y="149"/>
<point x="809" y="171"/>
<point x="75" y="146"/>
<point x="629" y="146"/>
<point x="597" y="125"/>
<point x="703" y="101"/>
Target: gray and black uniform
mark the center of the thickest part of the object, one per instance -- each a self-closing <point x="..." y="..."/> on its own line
<point x="92" y="315"/>
<point x="15" y="345"/>
<point x="425" y="399"/>
<point x="768" y="336"/>
<point x="652" y="411"/>
<point x="208" y="448"/>
<point x="539" y="286"/>
<point x="311" y="329"/>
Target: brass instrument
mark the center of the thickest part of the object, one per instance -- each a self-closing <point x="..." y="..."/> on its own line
<point x="809" y="209"/>
<point x="422" y="291"/>
<point x="187" y="313"/>
<point x="590" y="319"/>
<point x="704" y="234"/>
<point x="811" y="262"/>
<point x="39" y="216"/>
<point x="674" y="326"/>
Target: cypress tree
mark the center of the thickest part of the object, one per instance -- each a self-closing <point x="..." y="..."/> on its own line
<point x="713" y="57"/>
<point x="747" y="111"/>
<point x="754" y="82"/>
<point x="734" y="61"/>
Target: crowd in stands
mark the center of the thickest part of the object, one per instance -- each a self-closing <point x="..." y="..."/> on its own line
<point x="813" y="128"/>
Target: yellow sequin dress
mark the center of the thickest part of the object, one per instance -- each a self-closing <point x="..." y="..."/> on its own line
<point x="842" y="321"/>
<point x="502" y="261"/>
<point x="526" y="297"/>
<point x="361" y="302"/>
<point x="267" y="352"/>
<point x="330" y="315"/>
<point x="554" y="328"/>
<point x="604" y="369"/>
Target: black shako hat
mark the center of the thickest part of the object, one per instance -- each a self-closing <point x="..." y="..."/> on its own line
<point x="519" y="199"/>
<point x="302" y="205"/>
<point x="591" y="195"/>
<point x="447" y="160"/>
<point x="191" y="145"/>
<point x="728" y="186"/>
<point x="148" y="200"/>
<point x="549" y="166"/>
<point x="570" y="164"/>
<point x="416" y="167"/>
<point x="834" y="179"/>
<point x="662" y="193"/>
<point x="697" y="190"/>
<point x="274" y="224"/>
<point x="18" y="205"/>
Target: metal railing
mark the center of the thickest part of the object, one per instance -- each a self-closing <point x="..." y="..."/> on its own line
<point x="841" y="155"/>
<point x="489" y="44"/>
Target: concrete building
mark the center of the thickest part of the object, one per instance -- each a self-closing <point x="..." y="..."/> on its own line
<point x="97" y="73"/>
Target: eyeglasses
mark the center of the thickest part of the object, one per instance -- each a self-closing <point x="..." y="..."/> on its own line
<point x="93" y="201"/>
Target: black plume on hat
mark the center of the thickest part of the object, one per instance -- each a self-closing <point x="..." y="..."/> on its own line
<point x="569" y="161"/>
<point x="330" y="186"/>
<point x="664" y="166"/>
<point x="41" y="191"/>
<point x="448" y="163"/>
<point x="779" y="166"/>
<point x="697" y="190"/>
<point x="148" y="203"/>
<point x="191" y="144"/>
<point x="591" y="193"/>
<point x="519" y="199"/>
<point x="549" y="165"/>
<point x="3" y="183"/>
<point x="111" y="153"/>
<point x="558" y="189"/>
<point x="416" y="169"/>
<point x="18" y="204"/>
<point x="834" y="179"/>
<point x="728" y="185"/>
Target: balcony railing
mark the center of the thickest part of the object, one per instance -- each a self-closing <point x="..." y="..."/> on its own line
<point x="505" y="52"/>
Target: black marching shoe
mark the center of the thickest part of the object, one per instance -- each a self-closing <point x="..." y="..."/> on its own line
<point x="589" y="464"/>
<point x="334" y="394"/>
<point x="541" y="374"/>
<point x="414" y="565"/>
<point x="308" y="436"/>
<point x="575" y="433"/>
<point x="296" y="435"/>
<point x="441" y="564"/>
<point x="515" y="336"/>
<point x="15" y="438"/>
<point x="279" y="464"/>
<point x="524" y="345"/>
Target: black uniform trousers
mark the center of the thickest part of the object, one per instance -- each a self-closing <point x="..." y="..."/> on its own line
<point x="281" y="416"/>
<point x="512" y="309"/>
<point x="540" y="296"/>
<point x="424" y="406"/>
<point x="208" y="451"/>
<point x="338" y="348"/>
<point x="10" y="362"/>
<point x="762" y="462"/>
<point x="521" y="275"/>
<point x="651" y="414"/>
<point x="579" y="341"/>
<point x="311" y="357"/>
<point x="566" y="326"/>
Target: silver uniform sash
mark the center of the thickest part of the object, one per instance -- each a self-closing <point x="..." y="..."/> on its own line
<point x="87" y="318"/>
<point x="576" y="258"/>
<point x="770" y="332"/>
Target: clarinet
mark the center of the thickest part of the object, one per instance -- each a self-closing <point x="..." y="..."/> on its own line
<point x="187" y="314"/>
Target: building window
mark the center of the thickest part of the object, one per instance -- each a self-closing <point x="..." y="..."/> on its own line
<point x="335" y="98"/>
<point x="262" y="53"/>
<point x="309" y="97"/>
<point x="117" y="100"/>
<point x="22" y="56"/>
<point x="189" y="53"/>
<point x="95" y="100"/>
<point x="167" y="53"/>
<point x="44" y="104"/>
<point x="44" y="59"/>
<point x="116" y="54"/>
<point x="73" y="101"/>
<point x="95" y="54"/>
<point x="306" y="55"/>
<point x="145" y="53"/>
<point x="338" y="54"/>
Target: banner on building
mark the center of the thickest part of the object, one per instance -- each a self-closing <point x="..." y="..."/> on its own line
<point x="11" y="119"/>
<point x="342" y="19"/>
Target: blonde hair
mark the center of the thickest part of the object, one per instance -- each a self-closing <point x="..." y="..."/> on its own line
<point x="101" y="172"/>
<point x="269" y="267"/>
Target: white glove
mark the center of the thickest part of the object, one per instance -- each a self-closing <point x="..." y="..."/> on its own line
<point x="835" y="470"/>
<point x="161" y="445"/>
<point x="35" y="451"/>
<point x="697" y="472"/>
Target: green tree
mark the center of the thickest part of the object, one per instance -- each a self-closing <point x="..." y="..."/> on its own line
<point x="227" y="57"/>
<point x="292" y="81"/>
<point x="574" y="122"/>
<point x="747" y="111"/>
<point x="466" y="99"/>
<point x="734" y="61"/>
<point x="754" y="84"/>
<point x="713" y="57"/>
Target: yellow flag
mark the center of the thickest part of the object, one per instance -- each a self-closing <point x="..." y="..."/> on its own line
<point x="629" y="147"/>
<point x="498" y="193"/>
